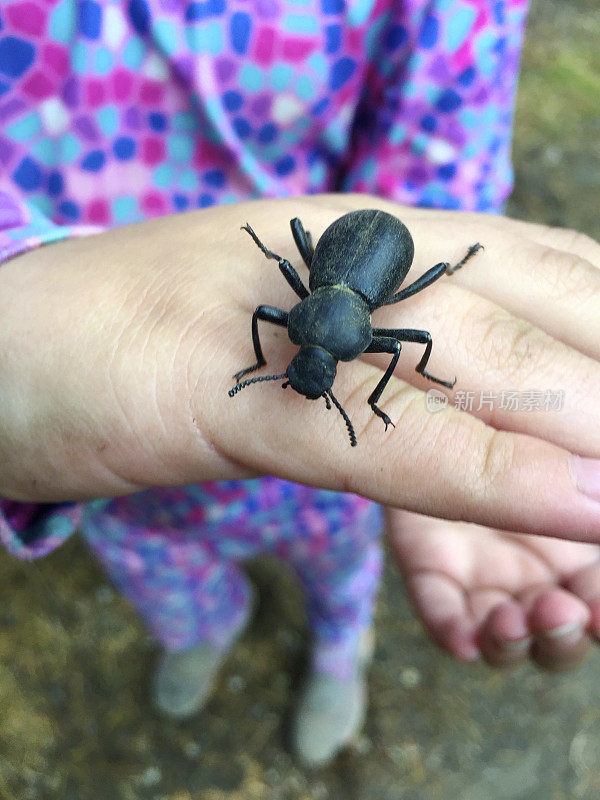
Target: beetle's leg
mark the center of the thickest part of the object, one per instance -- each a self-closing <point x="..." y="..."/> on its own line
<point x="383" y="344"/>
<point x="422" y="337"/>
<point x="288" y="272"/>
<point x="268" y="314"/>
<point x="443" y="268"/>
<point x="303" y="241"/>
<point x="421" y="283"/>
<point x="470" y="252"/>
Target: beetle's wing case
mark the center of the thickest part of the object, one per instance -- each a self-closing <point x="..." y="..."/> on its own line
<point x="369" y="251"/>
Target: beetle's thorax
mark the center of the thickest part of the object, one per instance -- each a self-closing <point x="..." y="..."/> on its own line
<point x="334" y="318"/>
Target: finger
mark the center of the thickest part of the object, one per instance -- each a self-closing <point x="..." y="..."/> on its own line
<point x="586" y="584"/>
<point x="558" y="621"/>
<point x="552" y="625"/>
<point x="471" y="471"/>
<point x="468" y="603"/>
<point x="547" y="625"/>
<point x="510" y="373"/>
<point x="462" y="615"/>
<point x="560" y="656"/>
<point x="555" y="289"/>
<point x="565" y="239"/>
<point x="473" y="576"/>
<point x="476" y="558"/>
<point x="441" y="605"/>
<point x="433" y="565"/>
<point x="504" y="638"/>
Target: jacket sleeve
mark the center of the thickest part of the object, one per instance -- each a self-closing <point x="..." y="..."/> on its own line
<point x="24" y="225"/>
<point x="30" y="530"/>
<point x="434" y="126"/>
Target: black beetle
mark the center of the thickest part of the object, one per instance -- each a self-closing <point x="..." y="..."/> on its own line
<point x="357" y="266"/>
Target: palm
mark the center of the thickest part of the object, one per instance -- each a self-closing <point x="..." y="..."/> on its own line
<point x="509" y="596"/>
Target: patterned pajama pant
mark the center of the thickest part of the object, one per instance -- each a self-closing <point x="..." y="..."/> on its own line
<point x="176" y="553"/>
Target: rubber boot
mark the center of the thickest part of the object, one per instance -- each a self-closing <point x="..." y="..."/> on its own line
<point x="331" y="710"/>
<point x="184" y="679"/>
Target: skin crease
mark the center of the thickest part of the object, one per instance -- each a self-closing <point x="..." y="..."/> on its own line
<point x="131" y="338"/>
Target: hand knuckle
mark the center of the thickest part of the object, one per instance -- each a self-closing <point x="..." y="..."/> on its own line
<point x="496" y="458"/>
<point x="567" y="274"/>
<point x="512" y="347"/>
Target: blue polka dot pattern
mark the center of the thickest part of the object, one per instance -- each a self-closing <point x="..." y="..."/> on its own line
<point x="215" y="177"/>
<point x="267" y="133"/>
<point x="28" y="175"/>
<point x="321" y="106"/>
<point x="139" y="13"/>
<point x="94" y="161"/>
<point x="333" y="6"/>
<point x="124" y="148"/>
<point x="447" y="172"/>
<point x="16" y="56"/>
<point x="341" y="72"/>
<point x="285" y="165"/>
<point x="232" y="100"/>
<point x="333" y="38"/>
<point x="90" y="18"/>
<point x="199" y="11"/>
<point x="69" y="209"/>
<point x="180" y="202"/>
<point x="396" y="37"/>
<point x="55" y="183"/>
<point x="429" y="32"/>
<point x="157" y="121"/>
<point x="449" y="100"/>
<point x="467" y="76"/>
<point x="241" y="25"/>
<point x="242" y="127"/>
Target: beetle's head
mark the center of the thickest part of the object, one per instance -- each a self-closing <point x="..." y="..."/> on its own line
<point x="312" y="372"/>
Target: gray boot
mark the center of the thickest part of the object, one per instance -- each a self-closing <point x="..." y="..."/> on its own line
<point x="184" y="679"/>
<point x="331" y="712"/>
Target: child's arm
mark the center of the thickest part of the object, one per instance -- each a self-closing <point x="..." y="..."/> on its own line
<point x="29" y="530"/>
<point x="117" y="351"/>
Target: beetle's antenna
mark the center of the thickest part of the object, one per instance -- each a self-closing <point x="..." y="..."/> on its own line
<point x="243" y="384"/>
<point x="353" y="441"/>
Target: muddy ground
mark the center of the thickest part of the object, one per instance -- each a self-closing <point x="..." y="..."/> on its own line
<point x="75" y="723"/>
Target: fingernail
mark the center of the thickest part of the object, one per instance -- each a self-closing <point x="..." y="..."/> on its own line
<point x="594" y="607"/>
<point x="587" y="476"/>
<point x="469" y="653"/>
<point x="515" y="646"/>
<point x="572" y="630"/>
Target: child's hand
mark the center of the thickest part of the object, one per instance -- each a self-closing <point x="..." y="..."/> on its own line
<point x="117" y="353"/>
<point x="504" y="596"/>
